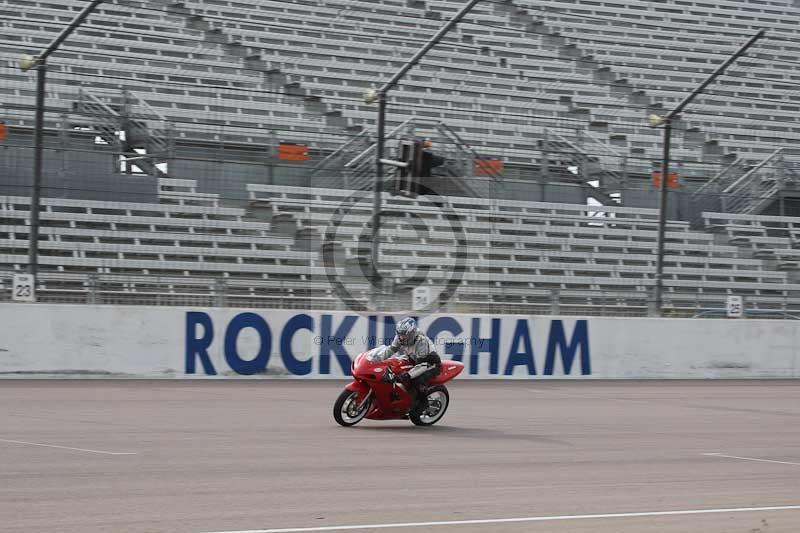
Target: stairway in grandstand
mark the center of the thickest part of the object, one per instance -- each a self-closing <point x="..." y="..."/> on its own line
<point x="144" y="134"/>
<point x="355" y="159"/>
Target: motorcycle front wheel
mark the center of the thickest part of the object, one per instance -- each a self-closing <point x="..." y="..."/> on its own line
<point x="346" y="411"/>
<point x="438" y="401"/>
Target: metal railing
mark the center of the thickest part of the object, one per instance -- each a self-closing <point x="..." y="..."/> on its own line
<point x="748" y="193"/>
<point x="590" y="167"/>
<point x="109" y="289"/>
<point x="748" y="313"/>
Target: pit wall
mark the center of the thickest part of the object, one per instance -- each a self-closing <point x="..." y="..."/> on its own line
<point x="191" y="343"/>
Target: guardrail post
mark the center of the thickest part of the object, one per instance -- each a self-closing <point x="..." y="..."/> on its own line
<point x="652" y="308"/>
<point x="555" y="302"/>
<point x="91" y="289"/>
<point x="219" y="293"/>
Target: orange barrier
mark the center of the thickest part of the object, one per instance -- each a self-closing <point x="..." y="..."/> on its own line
<point x="292" y="152"/>
<point x="672" y="181"/>
<point x="488" y="166"/>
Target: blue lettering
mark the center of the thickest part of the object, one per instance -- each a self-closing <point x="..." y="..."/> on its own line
<point x="523" y="357"/>
<point x="198" y="347"/>
<point x="334" y="343"/>
<point x="240" y="322"/>
<point x="480" y="345"/>
<point x="372" y="331"/>
<point x="454" y="349"/>
<point x="558" y="340"/>
<point x="389" y="327"/>
<point x="293" y="365"/>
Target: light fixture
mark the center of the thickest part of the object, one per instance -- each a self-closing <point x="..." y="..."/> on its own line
<point x="655" y="121"/>
<point x="370" y="96"/>
<point x="27" y="62"/>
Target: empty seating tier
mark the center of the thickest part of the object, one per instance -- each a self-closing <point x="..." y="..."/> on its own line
<point x="292" y="245"/>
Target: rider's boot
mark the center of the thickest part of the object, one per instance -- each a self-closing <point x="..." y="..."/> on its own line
<point x="421" y="399"/>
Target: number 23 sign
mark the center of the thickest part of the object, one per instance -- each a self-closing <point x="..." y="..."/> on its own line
<point x="23" y="289"/>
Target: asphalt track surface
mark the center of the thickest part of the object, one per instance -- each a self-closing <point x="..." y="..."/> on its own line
<point x="208" y="456"/>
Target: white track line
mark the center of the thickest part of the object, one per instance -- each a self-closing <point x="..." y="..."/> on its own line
<point x="66" y="447"/>
<point x="751" y="459"/>
<point x="517" y="520"/>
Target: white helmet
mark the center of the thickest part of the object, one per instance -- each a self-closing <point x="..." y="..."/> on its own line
<point x="406" y="331"/>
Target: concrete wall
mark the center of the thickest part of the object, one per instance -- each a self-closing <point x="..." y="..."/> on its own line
<point x="87" y="175"/>
<point x="176" y="342"/>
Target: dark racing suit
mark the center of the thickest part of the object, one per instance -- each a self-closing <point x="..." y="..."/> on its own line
<point x="427" y="363"/>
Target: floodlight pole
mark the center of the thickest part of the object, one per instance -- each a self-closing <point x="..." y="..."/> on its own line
<point x="667" y="122"/>
<point x="40" y="64"/>
<point x="381" y="133"/>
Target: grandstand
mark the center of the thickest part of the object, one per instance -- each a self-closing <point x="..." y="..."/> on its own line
<point x="197" y="151"/>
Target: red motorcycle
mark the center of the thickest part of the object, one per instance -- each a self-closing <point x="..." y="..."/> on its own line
<point x="374" y="392"/>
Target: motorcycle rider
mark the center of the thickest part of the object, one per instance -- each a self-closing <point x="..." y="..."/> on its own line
<point x="419" y="349"/>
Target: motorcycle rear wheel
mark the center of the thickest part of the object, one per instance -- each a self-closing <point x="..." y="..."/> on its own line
<point x="345" y="409"/>
<point x="438" y="402"/>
